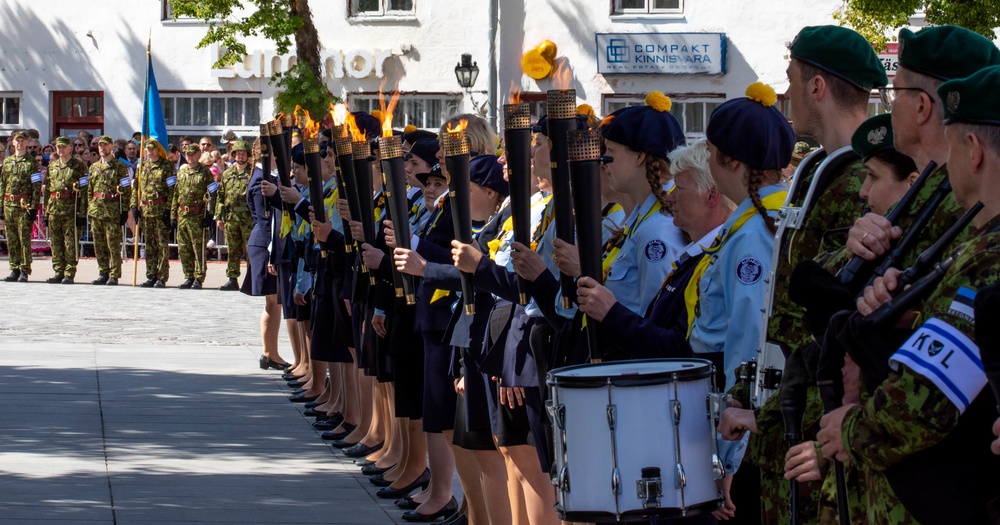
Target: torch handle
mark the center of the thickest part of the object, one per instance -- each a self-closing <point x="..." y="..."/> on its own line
<point x="461" y="214"/>
<point x="366" y="203"/>
<point x="348" y="238"/>
<point x="562" y="194"/>
<point x="518" y="150"/>
<point x="265" y="163"/>
<point x="399" y="211"/>
<point x="585" y="178"/>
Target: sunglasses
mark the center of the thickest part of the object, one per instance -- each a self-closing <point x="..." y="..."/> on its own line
<point x="205" y="145"/>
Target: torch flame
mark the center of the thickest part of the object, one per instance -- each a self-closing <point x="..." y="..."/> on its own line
<point x="562" y="76"/>
<point x="351" y="124"/>
<point x="515" y="93"/>
<point x="461" y="126"/>
<point x="311" y="128"/>
<point x="387" y="111"/>
<point x="339" y="113"/>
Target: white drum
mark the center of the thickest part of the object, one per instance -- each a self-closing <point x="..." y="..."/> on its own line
<point x="634" y="439"/>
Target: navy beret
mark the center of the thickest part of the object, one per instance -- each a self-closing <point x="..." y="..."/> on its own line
<point x="486" y="171"/>
<point x="751" y="130"/>
<point x="647" y="129"/>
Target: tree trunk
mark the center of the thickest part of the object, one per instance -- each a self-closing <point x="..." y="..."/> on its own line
<point x="306" y="38"/>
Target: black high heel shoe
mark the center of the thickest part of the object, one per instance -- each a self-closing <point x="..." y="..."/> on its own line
<point x="450" y="508"/>
<point x="266" y="362"/>
<point x="390" y="493"/>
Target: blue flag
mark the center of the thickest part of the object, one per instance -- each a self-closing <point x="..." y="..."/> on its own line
<point x="153" y="125"/>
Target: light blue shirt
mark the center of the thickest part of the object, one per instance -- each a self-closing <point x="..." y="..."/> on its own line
<point x="732" y="291"/>
<point x="643" y="262"/>
<point x="544" y="250"/>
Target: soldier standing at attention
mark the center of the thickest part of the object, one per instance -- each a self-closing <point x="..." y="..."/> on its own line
<point x="232" y="213"/>
<point x="109" y="186"/>
<point x="65" y="210"/>
<point x="151" y="200"/>
<point x="190" y="213"/>
<point x="20" y="181"/>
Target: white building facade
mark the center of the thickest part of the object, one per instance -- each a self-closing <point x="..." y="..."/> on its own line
<point x="70" y="66"/>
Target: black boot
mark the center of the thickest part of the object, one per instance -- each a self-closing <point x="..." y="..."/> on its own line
<point x="112" y="281"/>
<point x="14" y="275"/>
<point x="102" y="279"/>
<point x="55" y="279"/>
<point x="68" y="279"/>
<point x="230" y="285"/>
<point x="150" y="281"/>
<point x="196" y="285"/>
<point x="186" y="284"/>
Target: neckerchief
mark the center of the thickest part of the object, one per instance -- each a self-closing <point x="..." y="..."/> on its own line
<point x="629" y="230"/>
<point x="547" y="217"/>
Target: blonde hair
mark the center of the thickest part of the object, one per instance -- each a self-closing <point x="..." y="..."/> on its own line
<point x="482" y="139"/>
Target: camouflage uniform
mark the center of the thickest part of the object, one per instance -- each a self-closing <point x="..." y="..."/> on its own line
<point x="65" y="202"/>
<point x="109" y="186"/>
<point x="233" y="211"/>
<point x="908" y="413"/>
<point x="20" y="185"/>
<point x="152" y="197"/>
<point x="189" y="208"/>
<point x="824" y="230"/>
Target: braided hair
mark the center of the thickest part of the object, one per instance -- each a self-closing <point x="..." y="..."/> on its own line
<point x="755" y="180"/>
<point x="655" y="166"/>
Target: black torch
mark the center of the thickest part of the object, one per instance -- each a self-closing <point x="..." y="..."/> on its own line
<point x="287" y="121"/>
<point x="456" y="161"/>
<point x="346" y="179"/>
<point x="391" y="150"/>
<point x="265" y="159"/>
<point x="517" y="138"/>
<point x="561" y="120"/>
<point x="314" y="170"/>
<point x="585" y="178"/>
<point x="342" y="186"/>
<point x="282" y="159"/>
<point x="362" y="158"/>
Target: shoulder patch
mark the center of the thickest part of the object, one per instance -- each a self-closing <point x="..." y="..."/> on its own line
<point x="125" y="182"/>
<point x="84" y="181"/>
<point x="171" y="181"/>
<point x="213" y="187"/>
<point x="945" y="356"/>
<point x="655" y="250"/>
<point x="36" y="178"/>
<point x="749" y="270"/>
<point x="961" y="305"/>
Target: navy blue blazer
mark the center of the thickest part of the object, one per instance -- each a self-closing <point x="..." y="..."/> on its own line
<point x="435" y="246"/>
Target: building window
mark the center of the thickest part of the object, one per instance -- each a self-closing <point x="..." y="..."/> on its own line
<point x="692" y="111"/>
<point x="421" y="110"/>
<point x="200" y="113"/>
<point x="647" y="7"/>
<point x="10" y="109"/>
<point x="363" y="8"/>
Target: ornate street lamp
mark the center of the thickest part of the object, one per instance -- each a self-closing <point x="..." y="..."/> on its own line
<point x="467" y="72"/>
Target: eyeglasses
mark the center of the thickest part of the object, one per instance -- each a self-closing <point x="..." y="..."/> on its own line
<point x="888" y="94"/>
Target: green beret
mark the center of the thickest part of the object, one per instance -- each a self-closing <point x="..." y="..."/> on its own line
<point x="20" y="135"/>
<point x="946" y="52"/>
<point x="63" y="141"/>
<point x="841" y="52"/>
<point x="873" y="136"/>
<point x="973" y="99"/>
<point x="239" y="145"/>
<point x="104" y="139"/>
<point x="192" y="148"/>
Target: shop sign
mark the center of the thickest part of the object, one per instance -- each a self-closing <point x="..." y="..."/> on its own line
<point x="661" y="53"/>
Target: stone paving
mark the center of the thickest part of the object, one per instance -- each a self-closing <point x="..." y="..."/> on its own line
<point x="126" y="405"/>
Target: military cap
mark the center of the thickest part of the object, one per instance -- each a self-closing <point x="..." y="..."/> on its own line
<point x="842" y="52"/>
<point x="20" y="135"/>
<point x="63" y="141"/>
<point x="104" y="139"/>
<point x="485" y="171"/>
<point x="751" y="130"/>
<point x="799" y="152"/>
<point x="192" y="148"/>
<point x="152" y="143"/>
<point x="648" y="129"/>
<point x="946" y="52"/>
<point x="973" y="100"/>
<point x="873" y="136"/>
<point x="239" y="145"/>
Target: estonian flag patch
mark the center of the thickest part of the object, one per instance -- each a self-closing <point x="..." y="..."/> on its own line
<point x="125" y="182"/>
<point x="171" y="181"/>
<point x="84" y="181"/>
<point x="36" y="178"/>
<point x="213" y="187"/>
<point x="961" y="305"/>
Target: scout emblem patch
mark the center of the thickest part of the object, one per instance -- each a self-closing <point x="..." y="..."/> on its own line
<point x="655" y="250"/>
<point x="749" y="270"/>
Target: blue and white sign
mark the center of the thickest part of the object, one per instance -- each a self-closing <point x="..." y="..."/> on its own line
<point x="661" y="53"/>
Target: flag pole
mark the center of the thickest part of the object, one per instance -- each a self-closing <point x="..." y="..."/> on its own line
<point x="138" y="169"/>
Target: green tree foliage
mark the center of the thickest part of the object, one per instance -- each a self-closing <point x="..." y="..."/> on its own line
<point x="877" y="18"/>
<point x="280" y="21"/>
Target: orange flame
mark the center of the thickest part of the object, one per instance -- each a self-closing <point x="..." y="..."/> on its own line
<point x="351" y="124"/>
<point x="311" y="127"/>
<point x="461" y="126"/>
<point x="339" y="113"/>
<point x="387" y="111"/>
<point x="515" y="93"/>
<point x="562" y="76"/>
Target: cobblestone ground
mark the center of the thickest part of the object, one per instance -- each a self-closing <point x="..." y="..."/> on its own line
<point x="130" y="405"/>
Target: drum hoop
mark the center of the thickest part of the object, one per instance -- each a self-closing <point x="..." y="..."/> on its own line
<point x="703" y="369"/>
<point x="597" y="516"/>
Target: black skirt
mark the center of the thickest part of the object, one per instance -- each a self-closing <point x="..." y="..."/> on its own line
<point x="258" y="282"/>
